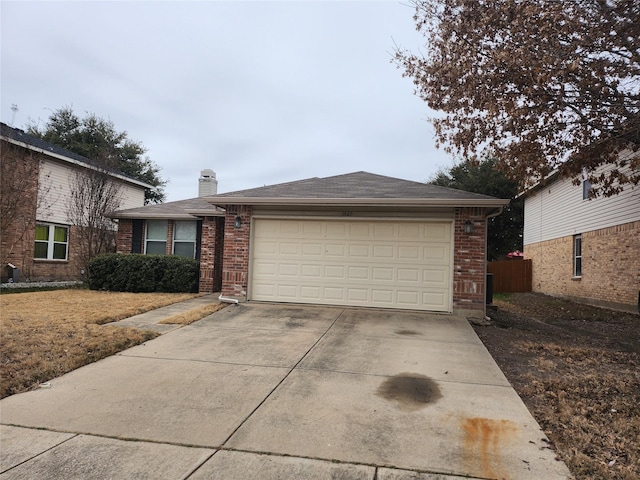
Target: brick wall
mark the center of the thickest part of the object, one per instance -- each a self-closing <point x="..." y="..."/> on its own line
<point x="211" y="255"/>
<point x="54" y="270"/>
<point x="124" y="238"/>
<point x="610" y="265"/>
<point x="469" y="260"/>
<point x="235" y="274"/>
<point x="18" y="202"/>
<point x="469" y="257"/>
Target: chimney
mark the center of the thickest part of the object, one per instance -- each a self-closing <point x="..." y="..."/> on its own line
<point x="207" y="184"/>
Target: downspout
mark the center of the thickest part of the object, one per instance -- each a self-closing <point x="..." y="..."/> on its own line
<point x="486" y="241"/>
<point x="228" y="300"/>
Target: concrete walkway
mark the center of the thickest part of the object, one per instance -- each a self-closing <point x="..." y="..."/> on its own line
<point x="271" y="391"/>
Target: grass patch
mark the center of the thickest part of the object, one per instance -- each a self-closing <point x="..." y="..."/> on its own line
<point x="48" y="333"/>
<point x="193" y="315"/>
<point x="577" y="368"/>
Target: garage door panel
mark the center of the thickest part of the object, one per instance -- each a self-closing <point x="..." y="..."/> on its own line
<point x="382" y="274"/>
<point x="313" y="272"/>
<point x="408" y="274"/>
<point x="288" y="270"/>
<point x="409" y="252"/>
<point x="382" y="263"/>
<point x="311" y="293"/>
<point x="289" y="249"/>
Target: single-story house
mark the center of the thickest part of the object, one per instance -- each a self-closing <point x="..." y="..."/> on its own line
<point x="191" y="228"/>
<point x="357" y="239"/>
<point x="38" y="241"/>
<point x="583" y="248"/>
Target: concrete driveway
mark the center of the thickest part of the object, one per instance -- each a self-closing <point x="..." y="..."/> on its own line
<point x="271" y="391"/>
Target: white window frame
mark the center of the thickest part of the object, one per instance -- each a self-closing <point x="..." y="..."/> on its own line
<point x="52" y="242"/>
<point x="175" y="240"/>
<point x="577" y="256"/>
<point x="147" y="239"/>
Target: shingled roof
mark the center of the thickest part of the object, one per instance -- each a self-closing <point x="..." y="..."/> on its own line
<point x="23" y="139"/>
<point x="361" y="188"/>
<point x="188" y="209"/>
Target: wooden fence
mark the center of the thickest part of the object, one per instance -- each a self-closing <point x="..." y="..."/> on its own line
<point x="510" y="276"/>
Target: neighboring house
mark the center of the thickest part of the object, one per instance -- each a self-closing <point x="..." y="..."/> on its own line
<point x="191" y="228"/>
<point x="37" y="180"/>
<point x="581" y="248"/>
<point x="357" y="239"/>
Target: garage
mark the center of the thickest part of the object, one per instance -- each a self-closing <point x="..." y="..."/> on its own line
<point x="405" y="264"/>
<point x="357" y="239"/>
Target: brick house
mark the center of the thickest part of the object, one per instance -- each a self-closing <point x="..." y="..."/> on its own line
<point x="192" y="228"/>
<point x="581" y="248"/>
<point x="357" y="239"/>
<point x="37" y="237"/>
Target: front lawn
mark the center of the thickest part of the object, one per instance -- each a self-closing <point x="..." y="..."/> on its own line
<point x="48" y="333"/>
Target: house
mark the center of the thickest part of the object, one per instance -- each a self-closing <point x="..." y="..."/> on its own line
<point x="357" y="239"/>
<point x="586" y="249"/>
<point x="192" y="228"/>
<point x="37" y="237"/>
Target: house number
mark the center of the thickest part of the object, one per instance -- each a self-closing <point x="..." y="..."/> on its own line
<point x="347" y="214"/>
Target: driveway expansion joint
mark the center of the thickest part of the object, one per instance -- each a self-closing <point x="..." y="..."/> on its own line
<point x="285" y="377"/>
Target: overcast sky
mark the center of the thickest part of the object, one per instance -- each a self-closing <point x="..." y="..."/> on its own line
<point x="260" y="92"/>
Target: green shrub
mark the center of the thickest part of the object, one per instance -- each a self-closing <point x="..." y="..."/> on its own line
<point x="143" y="273"/>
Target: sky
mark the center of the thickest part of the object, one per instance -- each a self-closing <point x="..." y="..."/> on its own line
<point x="260" y="92"/>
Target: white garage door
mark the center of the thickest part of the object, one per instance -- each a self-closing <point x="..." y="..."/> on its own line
<point x="372" y="263"/>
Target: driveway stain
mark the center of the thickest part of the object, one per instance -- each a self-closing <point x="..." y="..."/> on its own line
<point x="407" y="332"/>
<point x="483" y="442"/>
<point x="411" y="391"/>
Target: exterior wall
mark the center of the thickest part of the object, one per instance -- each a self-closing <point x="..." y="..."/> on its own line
<point x="52" y="270"/>
<point x="124" y="239"/>
<point x="469" y="257"/>
<point x="235" y="275"/>
<point x="56" y="179"/>
<point x="469" y="260"/>
<point x="211" y="255"/>
<point x="558" y="210"/>
<point x="210" y="249"/>
<point x="610" y="266"/>
<point x="17" y="234"/>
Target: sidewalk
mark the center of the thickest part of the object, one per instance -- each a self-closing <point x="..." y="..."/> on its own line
<point x="149" y="320"/>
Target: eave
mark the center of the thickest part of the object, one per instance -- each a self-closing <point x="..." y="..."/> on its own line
<point x="381" y="202"/>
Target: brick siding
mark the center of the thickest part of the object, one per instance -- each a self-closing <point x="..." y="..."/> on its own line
<point x="469" y="257"/>
<point x="235" y="275"/>
<point x="610" y="265"/>
<point x="211" y="255"/>
<point x="124" y="240"/>
<point x="469" y="260"/>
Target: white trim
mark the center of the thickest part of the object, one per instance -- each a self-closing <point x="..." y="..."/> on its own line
<point x="395" y="202"/>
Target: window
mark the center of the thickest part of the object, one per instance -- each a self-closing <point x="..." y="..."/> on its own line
<point x="586" y="188"/>
<point x="156" y="239"/>
<point x="577" y="256"/>
<point x="51" y="242"/>
<point x="184" y="239"/>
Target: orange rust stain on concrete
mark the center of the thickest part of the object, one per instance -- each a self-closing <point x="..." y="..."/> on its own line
<point x="483" y="442"/>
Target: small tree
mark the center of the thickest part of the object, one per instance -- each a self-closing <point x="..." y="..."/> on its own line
<point x="94" y="194"/>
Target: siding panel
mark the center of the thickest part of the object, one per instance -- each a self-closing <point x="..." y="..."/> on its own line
<point x="558" y="210"/>
<point x="55" y="188"/>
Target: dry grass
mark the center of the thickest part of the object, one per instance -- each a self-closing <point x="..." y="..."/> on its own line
<point x="577" y="368"/>
<point x="193" y="315"/>
<point x="47" y="334"/>
<point x="591" y="409"/>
